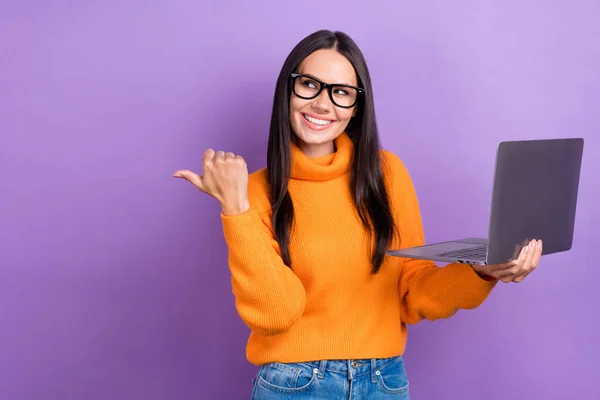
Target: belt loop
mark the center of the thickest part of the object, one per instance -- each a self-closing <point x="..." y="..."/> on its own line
<point x="322" y="365"/>
<point x="373" y="371"/>
<point x="349" y="368"/>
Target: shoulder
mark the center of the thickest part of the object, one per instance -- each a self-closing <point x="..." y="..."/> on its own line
<point x="259" y="191"/>
<point x="394" y="170"/>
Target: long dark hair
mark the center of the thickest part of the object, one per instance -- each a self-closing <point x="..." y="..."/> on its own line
<point x="367" y="183"/>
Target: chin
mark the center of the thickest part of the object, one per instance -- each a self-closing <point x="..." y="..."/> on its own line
<point x="316" y="137"/>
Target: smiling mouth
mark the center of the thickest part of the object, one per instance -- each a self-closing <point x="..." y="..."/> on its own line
<point x="316" y="121"/>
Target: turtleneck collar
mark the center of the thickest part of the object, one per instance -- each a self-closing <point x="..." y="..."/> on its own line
<point x="326" y="167"/>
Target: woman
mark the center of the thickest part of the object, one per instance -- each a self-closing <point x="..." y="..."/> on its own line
<point x="307" y="238"/>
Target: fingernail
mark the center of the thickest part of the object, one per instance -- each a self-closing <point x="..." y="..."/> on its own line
<point x="539" y="243"/>
<point x="525" y="249"/>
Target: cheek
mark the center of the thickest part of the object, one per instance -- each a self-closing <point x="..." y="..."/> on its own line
<point x="296" y="104"/>
<point x="344" y="115"/>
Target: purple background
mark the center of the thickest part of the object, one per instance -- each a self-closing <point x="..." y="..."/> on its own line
<point x="113" y="276"/>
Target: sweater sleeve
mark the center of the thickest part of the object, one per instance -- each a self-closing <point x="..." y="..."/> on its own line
<point x="269" y="297"/>
<point x="427" y="291"/>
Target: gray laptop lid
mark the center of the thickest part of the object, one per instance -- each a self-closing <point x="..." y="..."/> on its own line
<point x="535" y="196"/>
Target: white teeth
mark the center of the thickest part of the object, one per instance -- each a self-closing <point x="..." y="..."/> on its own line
<point x="317" y="121"/>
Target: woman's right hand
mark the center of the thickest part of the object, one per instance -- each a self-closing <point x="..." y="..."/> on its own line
<point x="224" y="177"/>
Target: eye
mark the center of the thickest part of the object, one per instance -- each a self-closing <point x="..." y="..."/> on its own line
<point x="340" y="91"/>
<point x="309" y="84"/>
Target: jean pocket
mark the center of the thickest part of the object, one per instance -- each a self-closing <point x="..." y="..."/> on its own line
<point x="392" y="378"/>
<point x="289" y="377"/>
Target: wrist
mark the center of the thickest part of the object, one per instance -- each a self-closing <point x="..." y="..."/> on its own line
<point x="483" y="276"/>
<point x="235" y="207"/>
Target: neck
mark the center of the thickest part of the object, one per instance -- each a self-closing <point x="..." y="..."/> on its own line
<point x="328" y="165"/>
<point x="316" y="150"/>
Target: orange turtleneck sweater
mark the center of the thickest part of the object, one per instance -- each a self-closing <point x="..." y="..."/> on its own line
<point x="329" y="305"/>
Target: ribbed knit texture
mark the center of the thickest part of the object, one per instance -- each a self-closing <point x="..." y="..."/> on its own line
<point x="329" y="305"/>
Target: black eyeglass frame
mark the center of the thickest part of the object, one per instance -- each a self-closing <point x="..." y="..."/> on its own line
<point x="328" y="86"/>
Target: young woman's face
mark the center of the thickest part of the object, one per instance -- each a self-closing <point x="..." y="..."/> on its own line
<point x="317" y="122"/>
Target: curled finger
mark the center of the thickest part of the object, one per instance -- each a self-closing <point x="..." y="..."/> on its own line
<point x="219" y="155"/>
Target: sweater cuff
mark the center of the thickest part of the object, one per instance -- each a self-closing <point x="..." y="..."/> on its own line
<point x="482" y="282"/>
<point x="236" y="226"/>
<point x="473" y="287"/>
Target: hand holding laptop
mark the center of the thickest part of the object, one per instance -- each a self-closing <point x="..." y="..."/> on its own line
<point x="534" y="196"/>
<point x="516" y="270"/>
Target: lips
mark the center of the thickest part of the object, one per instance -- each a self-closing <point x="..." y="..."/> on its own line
<point x="316" y="123"/>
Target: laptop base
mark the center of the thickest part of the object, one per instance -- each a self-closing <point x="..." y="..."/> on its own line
<point x="466" y="251"/>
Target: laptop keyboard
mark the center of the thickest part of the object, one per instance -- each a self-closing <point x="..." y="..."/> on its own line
<point x="473" y="253"/>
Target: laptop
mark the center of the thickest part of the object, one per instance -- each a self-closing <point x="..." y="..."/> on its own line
<point x="534" y="196"/>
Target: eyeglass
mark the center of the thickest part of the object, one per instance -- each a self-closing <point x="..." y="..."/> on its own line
<point x="307" y="87"/>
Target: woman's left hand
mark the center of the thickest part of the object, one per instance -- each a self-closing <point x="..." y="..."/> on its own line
<point x="517" y="270"/>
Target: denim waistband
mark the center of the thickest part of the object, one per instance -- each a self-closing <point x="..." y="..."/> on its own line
<point x="352" y="368"/>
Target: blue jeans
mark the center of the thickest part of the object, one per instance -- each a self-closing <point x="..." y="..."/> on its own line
<point x="372" y="379"/>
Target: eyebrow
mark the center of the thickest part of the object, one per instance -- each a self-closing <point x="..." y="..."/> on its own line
<point x="322" y="80"/>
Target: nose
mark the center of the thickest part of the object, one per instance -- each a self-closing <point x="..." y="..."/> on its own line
<point x="322" y="102"/>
